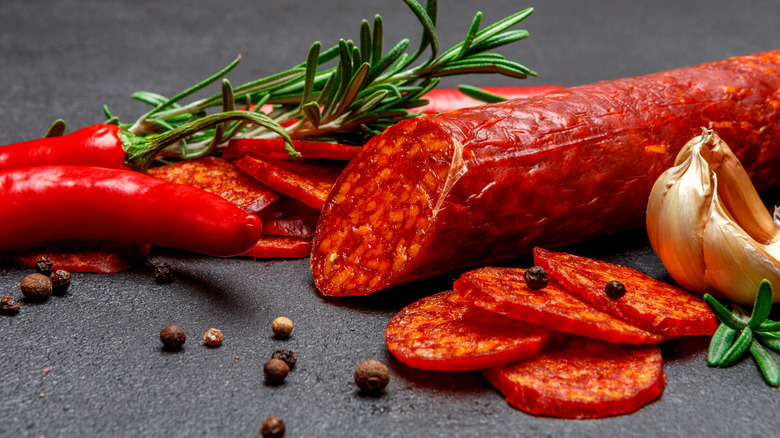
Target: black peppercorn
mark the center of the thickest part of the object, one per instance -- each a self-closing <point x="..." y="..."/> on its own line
<point x="372" y="376"/>
<point x="44" y="265"/>
<point x="60" y="281"/>
<point x="536" y="277"/>
<point x="36" y="287"/>
<point x="287" y="356"/>
<point x="9" y="306"/>
<point x="272" y="427"/>
<point x="275" y="371"/>
<point x="615" y="289"/>
<point x="163" y="273"/>
<point x="172" y="337"/>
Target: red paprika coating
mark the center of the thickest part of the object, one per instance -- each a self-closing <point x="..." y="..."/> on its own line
<point x="586" y="379"/>
<point x="221" y="177"/>
<point x="443" y="192"/>
<point x="96" y="145"/>
<point x="49" y="203"/>
<point x="647" y="303"/>
<point x="504" y="291"/>
<point x="446" y="332"/>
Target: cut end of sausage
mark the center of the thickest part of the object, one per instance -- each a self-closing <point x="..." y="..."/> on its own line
<point x="380" y="213"/>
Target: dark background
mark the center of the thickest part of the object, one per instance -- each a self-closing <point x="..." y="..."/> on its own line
<point x="107" y="375"/>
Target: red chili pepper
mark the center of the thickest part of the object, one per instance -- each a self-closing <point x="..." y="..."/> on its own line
<point x="96" y="145"/>
<point x="442" y="100"/>
<point x="49" y="203"/>
<point x="274" y="148"/>
<point x="112" y="147"/>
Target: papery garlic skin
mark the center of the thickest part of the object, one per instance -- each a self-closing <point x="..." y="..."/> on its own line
<point x="713" y="239"/>
<point x="735" y="263"/>
<point x="677" y="213"/>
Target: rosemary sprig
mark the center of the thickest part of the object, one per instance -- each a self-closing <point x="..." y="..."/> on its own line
<point x="737" y="335"/>
<point x="348" y="92"/>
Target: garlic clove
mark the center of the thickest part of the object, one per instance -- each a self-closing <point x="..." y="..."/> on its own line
<point x="676" y="216"/>
<point x="708" y="225"/>
<point x="735" y="262"/>
<point x="739" y="197"/>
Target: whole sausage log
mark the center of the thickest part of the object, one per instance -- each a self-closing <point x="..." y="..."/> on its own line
<point x="476" y="186"/>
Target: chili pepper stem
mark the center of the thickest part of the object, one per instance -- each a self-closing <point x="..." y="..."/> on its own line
<point x="141" y="151"/>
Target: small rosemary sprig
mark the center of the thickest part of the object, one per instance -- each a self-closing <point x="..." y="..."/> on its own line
<point x="362" y="93"/>
<point x="738" y="334"/>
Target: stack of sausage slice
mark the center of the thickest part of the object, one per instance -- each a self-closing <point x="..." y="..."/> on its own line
<point x="566" y="349"/>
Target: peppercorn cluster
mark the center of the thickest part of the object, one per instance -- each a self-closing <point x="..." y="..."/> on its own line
<point x="38" y="286"/>
<point x="277" y="368"/>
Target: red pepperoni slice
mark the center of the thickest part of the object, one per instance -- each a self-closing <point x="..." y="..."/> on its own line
<point x="221" y="177"/>
<point x="592" y="379"/>
<point x="294" y="226"/>
<point x="94" y="257"/>
<point x="503" y="291"/>
<point x="647" y="303"/>
<point x="280" y="247"/>
<point x="445" y="332"/>
<point x="305" y="181"/>
<point x="286" y="206"/>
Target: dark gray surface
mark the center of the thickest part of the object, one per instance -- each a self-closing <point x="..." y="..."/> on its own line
<point x="107" y="375"/>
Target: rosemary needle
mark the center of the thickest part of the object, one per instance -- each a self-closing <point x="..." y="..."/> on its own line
<point x="738" y="348"/>
<point x="720" y="343"/>
<point x="773" y="342"/>
<point x="766" y="364"/>
<point x="762" y="306"/>
<point x="723" y="314"/>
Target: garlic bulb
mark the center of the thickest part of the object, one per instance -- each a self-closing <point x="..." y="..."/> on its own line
<point x="708" y="225"/>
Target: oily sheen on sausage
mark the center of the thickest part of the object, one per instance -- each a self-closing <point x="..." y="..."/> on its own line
<point x="438" y="193"/>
